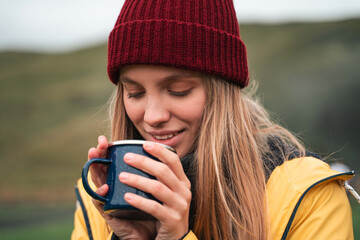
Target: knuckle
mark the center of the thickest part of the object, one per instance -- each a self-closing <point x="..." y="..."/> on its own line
<point x="141" y="159"/>
<point x="183" y="206"/>
<point x="173" y="159"/>
<point x="188" y="196"/>
<point x="153" y="208"/>
<point x="177" y="218"/>
<point x="187" y="184"/>
<point x="163" y="169"/>
<point x="158" y="187"/>
<point x="134" y="179"/>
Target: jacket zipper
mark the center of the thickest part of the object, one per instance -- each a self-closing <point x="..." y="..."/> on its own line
<point x="86" y="218"/>
<point x="287" y="229"/>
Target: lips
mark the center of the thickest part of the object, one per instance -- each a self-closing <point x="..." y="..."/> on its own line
<point x="167" y="136"/>
<point x="172" y="138"/>
<point x="164" y="135"/>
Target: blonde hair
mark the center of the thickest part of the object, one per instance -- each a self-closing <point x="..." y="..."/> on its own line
<point x="235" y="137"/>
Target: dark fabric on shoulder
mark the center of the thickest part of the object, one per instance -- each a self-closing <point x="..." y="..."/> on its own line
<point x="278" y="152"/>
<point x="114" y="237"/>
<point x="190" y="171"/>
<point x="314" y="155"/>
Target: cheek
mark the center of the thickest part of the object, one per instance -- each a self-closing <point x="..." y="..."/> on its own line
<point x="133" y="111"/>
<point x="192" y="110"/>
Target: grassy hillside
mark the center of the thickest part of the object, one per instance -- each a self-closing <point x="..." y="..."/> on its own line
<point x="53" y="106"/>
<point x="50" y="116"/>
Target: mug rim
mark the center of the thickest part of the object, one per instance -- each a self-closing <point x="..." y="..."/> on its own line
<point x="137" y="142"/>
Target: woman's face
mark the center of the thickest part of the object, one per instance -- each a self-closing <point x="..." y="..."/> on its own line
<point x="165" y="104"/>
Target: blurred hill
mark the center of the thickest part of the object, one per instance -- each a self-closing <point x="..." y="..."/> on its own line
<point x="53" y="107"/>
<point x="51" y="112"/>
<point x="309" y="76"/>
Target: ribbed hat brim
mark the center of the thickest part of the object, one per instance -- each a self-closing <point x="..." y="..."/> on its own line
<point x="179" y="44"/>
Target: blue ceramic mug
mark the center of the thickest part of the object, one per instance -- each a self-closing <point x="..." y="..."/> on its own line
<point x="114" y="203"/>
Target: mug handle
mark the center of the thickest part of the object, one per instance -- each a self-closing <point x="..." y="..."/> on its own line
<point x="85" y="179"/>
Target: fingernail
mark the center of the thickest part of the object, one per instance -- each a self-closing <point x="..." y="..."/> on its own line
<point x="101" y="137"/>
<point x="129" y="157"/>
<point x="128" y="196"/>
<point x="149" y="145"/>
<point x="91" y="149"/>
<point x="123" y="176"/>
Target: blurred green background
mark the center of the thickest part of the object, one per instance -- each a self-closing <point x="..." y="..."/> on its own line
<point x="53" y="107"/>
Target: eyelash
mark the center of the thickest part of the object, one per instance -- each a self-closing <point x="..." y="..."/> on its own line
<point x="135" y="95"/>
<point x="180" y="94"/>
<point x="176" y="94"/>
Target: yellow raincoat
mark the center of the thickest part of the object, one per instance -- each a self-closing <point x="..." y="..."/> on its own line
<point x="306" y="200"/>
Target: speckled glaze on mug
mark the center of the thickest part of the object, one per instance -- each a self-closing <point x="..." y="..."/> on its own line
<point x="114" y="203"/>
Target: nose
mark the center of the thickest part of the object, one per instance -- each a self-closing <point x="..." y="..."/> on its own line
<point x="156" y="112"/>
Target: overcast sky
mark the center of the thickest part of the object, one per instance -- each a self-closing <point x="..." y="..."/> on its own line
<point x="64" y="25"/>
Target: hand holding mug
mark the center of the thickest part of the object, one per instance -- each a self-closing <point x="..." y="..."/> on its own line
<point x="162" y="190"/>
<point x="129" y="229"/>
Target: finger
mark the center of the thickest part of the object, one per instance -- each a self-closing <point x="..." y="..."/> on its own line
<point x="101" y="150"/>
<point x="169" y="158"/>
<point x="154" y="187"/>
<point x="93" y="153"/>
<point x="98" y="171"/>
<point x="157" y="169"/>
<point x="102" y="191"/>
<point x="102" y="146"/>
<point x="157" y="210"/>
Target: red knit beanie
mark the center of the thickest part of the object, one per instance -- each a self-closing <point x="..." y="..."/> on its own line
<point x="198" y="35"/>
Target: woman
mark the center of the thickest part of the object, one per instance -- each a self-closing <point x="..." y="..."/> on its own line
<point x="180" y="68"/>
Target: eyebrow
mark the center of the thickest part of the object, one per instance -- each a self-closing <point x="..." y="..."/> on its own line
<point x="172" y="77"/>
<point x="127" y="80"/>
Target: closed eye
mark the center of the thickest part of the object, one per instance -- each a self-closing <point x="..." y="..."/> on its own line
<point x="135" y="95"/>
<point x="180" y="93"/>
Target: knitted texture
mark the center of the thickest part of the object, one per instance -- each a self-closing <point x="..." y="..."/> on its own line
<point x="198" y="35"/>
